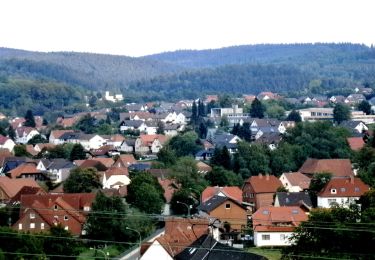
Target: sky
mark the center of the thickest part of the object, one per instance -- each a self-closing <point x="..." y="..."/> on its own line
<point x="142" y="27"/>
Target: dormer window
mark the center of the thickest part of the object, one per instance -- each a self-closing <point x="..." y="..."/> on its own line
<point x="343" y="189"/>
<point x="356" y="189"/>
<point x="333" y="191"/>
<point x="55" y="207"/>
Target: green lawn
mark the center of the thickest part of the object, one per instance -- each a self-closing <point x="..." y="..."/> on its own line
<point x="271" y="254"/>
<point x="89" y="254"/>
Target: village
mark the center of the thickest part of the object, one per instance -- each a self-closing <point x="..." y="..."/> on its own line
<point x="232" y="176"/>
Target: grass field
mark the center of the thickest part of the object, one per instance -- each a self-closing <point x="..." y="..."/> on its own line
<point x="271" y="254"/>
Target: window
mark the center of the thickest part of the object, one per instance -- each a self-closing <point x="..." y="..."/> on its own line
<point x="86" y="208"/>
<point x="65" y="217"/>
<point x="282" y="237"/>
<point x="41" y="225"/>
<point x="333" y="191"/>
<point x="356" y="189"/>
<point x="20" y="226"/>
<point x="32" y="225"/>
<point x="66" y="228"/>
<point x="32" y="215"/>
<point x="251" y="195"/>
<point x="343" y="189"/>
<point x="55" y="207"/>
<point x="330" y="201"/>
<point x="227" y="206"/>
<point x="266" y="237"/>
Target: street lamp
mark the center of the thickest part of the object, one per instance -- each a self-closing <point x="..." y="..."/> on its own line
<point x="188" y="207"/>
<point x="101" y="251"/>
<point x="140" y="239"/>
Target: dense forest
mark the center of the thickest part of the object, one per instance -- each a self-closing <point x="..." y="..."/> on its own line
<point x="293" y="69"/>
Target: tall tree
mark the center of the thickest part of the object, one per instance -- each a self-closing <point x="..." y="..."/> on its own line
<point x="77" y="153"/>
<point x="341" y="113"/>
<point x="201" y="109"/>
<point x="222" y="177"/>
<point x="160" y="128"/>
<point x="257" y="109"/>
<point x="365" y="107"/>
<point x="30" y="120"/>
<point x="145" y="193"/>
<point x="82" y="180"/>
<point x="294" y="116"/>
<point x="194" y="113"/>
<point x="11" y="133"/>
<point x="202" y="130"/>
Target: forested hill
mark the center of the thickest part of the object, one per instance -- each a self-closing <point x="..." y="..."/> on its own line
<point x="322" y="53"/>
<point x="92" y="71"/>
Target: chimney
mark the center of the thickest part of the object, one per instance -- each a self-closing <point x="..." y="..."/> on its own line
<point x="351" y="179"/>
<point x="260" y="176"/>
<point x="267" y="177"/>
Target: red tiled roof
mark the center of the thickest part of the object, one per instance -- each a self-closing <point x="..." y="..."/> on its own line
<point x="344" y="187"/>
<point x="298" y="179"/>
<point x="148" y="139"/>
<point x="203" y="167"/>
<point x="28" y="167"/>
<point x="12" y="186"/>
<point x="264" y="184"/>
<point x="181" y="232"/>
<point x="337" y="167"/>
<point x="278" y="219"/>
<point x="233" y="192"/>
<point x="355" y="143"/>
<point x="3" y="139"/>
<point x="116" y="171"/>
<point x="93" y="164"/>
<point x="116" y="138"/>
<point x="58" y="133"/>
<point x="30" y="149"/>
<point x="126" y="159"/>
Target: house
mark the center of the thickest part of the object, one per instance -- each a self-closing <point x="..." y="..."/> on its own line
<point x="144" y="116"/>
<point x="354" y="127"/>
<point x="55" y="136"/>
<point x="40" y="212"/>
<point x="270" y="139"/>
<point x="145" y="144"/>
<point x="127" y="146"/>
<point x="203" y="168"/>
<point x="179" y="234"/>
<point x="106" y="162"/>
<point x="68" y="121"/>
<point x="259" y="190"/>
<point x="232" y="191"/>
<point x="354" y="99"/>
<point x="295" y="181"/>
<point x="339" y="168"/>
<point x="220" y="112"/>
<point x="11" y="162"/>
<point x="2" y="116"/>
<point x="133" y="107"/>
<point x="220" y="140"/>
<point x="268" y="96"/>
<point x="9" y="188"/>
<point x="17" y="122"/>
<point x="115" y="140"/>
<point x="207" y="247"/>
<point x="88" y="141"/>
<point x="316" y="113"/>
<point x="125" y="160"/>
<point x="27" y="170"/>
<point x="226" y="209"/>
<point x="133" y="125"/>
<point x="297" y="199"/>
<point x="115" y="177"/>
<point x="342" y="191"/>
<point x="355" y="143"/>
<point x="337" y="99"/>
<point x="151" y="127"/>
<point x="173" y="129"/>
<point x="274" y="226"/>
<point x="58" y="169"/>
<point x="6" y="143"/>
<point x="25" y="133"/>
<point x="40" y="147"/>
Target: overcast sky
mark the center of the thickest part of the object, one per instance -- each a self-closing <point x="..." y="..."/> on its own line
<point x="141" y="27"/>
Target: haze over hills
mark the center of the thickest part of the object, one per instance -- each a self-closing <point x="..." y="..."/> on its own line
<point x="286" y="68"/>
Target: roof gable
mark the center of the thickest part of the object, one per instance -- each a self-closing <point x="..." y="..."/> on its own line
<point x="264" y="184"/>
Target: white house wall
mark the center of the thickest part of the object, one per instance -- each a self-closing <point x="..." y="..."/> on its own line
<point x="325" y="202"/>
<point x="276" y="238"/>
<point x="156" y="251"/>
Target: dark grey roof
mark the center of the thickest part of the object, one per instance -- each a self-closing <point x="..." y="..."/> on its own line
<point x="206" y="247"/>
<point x="293" y="199"/>
<point x="139" y="166"/>
<point x="350" y="124"/>
<point x="269" y="138"/>
<point x="59" y="164"/>
<point x="171" y="126"/>
<point x="71" y="135"/>
<point x="222" y="139"/>
<point x="132" y="123"/>
<point x="134" y="107"/>
<point x="214" y="202"/>
<point x="130" y="142"/>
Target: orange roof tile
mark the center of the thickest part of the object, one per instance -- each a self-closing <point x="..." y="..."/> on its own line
<point x="233" y="192"/>
<point x="117" y="171"/>
<point x="278" y="219"/>
<point x="298" y="179"/>
<point x="168" y="188"/>
<point x="355" y="143"/>
<point x="337" y="167"/>
<point x="28" y="167"/>
<point x="264" y="184"/>
<point x="12" y="186"/>
<point x="148" y="139"/>
<point x="203" y="167"/>
<point x="58" y="133"/>
<point x="344" y="187"/>
<point x="126" y="159"/>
